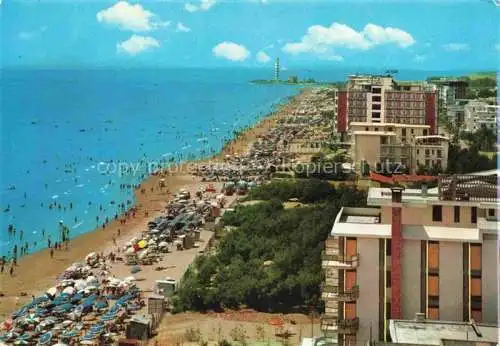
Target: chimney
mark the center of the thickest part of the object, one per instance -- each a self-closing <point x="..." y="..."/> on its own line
<point x="396" y="249"/>
<point x="420" y="317"/>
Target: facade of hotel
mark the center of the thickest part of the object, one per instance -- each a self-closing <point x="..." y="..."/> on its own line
<point x="415" y="251"/>
<point x="477" y="114"/>
<point x="389" y="121"/>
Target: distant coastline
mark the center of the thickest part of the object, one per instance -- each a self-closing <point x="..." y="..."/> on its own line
<point x="301" y="84"/>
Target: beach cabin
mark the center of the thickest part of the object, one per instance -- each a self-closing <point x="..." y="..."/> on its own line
<point x="139" y="328"/>
<point x="166" y="287"/>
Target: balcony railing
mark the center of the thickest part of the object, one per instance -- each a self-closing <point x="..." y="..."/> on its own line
<point x="335" y="292"/>
<point x="339" y="261"/>
<point x="341" y="326"/>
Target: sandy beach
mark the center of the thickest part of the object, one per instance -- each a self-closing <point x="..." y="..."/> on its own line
<point x="37" y="272"/>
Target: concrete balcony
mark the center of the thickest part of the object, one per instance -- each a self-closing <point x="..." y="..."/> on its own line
<point x="338" y="325"/>
<point x="330" y="260"/>
<point x="335" y="293"/>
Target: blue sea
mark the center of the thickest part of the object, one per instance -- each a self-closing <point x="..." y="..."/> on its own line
<point x="65" y="132"/>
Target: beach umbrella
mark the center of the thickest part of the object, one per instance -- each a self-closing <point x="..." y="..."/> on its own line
<point x="24" y="336"/>
<point x="107" y="317"/>
<point x="70" y="333"/>
<point x="7" y="324"/>
<point x="77" y="297"/>
<point x="45" y="339"/>
<point x="52" y="291"/>
<point x="91" y="280"/>
<point x="69" y="290"/>
<point x="63" y="308"/>
<point x="21" y="312"/>
<point x="40" y="299"/>
<point x="100" y="304"/>
<point x="80" y="285"/>
<point x="142" y="244"/>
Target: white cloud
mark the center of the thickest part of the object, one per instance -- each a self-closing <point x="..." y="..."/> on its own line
<point x="262" y="57"/>
<point x="455" y="47"/>
<point x="182" y="28"/>
<point x="204" y="5"/>
<point x="419" y="58"/>
<point x="320" y="39"/>
<point x="380" y="35"/>
<point x="264" y="1"/>
<point x="497" y="46"/>
<point x="231" y="51"/>
<point x="137" y="44"/>
<point x="130" y="17"/>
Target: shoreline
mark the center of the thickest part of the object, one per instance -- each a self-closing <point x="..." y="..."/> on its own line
<point x="37" y="272"/>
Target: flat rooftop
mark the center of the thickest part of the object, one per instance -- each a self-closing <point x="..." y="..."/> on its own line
<point x="432" y="332"/>
<point x="380" y="196"/>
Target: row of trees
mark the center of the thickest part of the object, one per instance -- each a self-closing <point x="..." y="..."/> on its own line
<point x="272" y="260"/>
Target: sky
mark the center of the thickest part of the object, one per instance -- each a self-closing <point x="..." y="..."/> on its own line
<point x="426" y="35"/>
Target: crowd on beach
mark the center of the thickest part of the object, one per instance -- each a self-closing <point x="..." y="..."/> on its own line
<point x="182" y="219"/>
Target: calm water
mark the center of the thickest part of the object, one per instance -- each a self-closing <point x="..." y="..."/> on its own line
<point x="63" y="132"/>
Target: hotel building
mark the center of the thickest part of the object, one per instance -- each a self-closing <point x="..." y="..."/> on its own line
<point x="415" y="251"/>
<point x="477" y="114"/>
<point x="390" y="121"/>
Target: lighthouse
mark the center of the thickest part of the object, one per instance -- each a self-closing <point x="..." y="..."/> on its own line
<point x="277" y="70"/>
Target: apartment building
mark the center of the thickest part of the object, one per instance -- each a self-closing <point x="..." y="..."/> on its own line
<point x="429" y="251"/>
<point x="410" y="145"/>
<point x="380" y="99"/>
<point x="477" y="114"/>
<point x="451" y="90"/>
<point x="375" y="112"/>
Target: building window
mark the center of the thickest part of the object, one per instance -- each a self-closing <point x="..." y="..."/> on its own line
<point x="491" y="212"/>
<point x="376" y="98"/>
<point x="476" y="303"/>
<point x="376" y="129"/>
<point x="418" y="152"/>
<point x="437" y="213"/>
<point x="388" y="281"/>
<point x="389" y="128"/>
<point x="434" y="301"/>
<point x="426" y="163"/>
<point x="403" y="132"/>
<point x="438" y="152"/>
<point x="367" y="129"/>
<point x="383" y="140"/>
<point x="473" y="215"/>
<point x="426" y="152"/>
<point x="456" y="214"/>
<point x="425" y="132"/>
<point x="388" y="245"/>
<point x="412" y="132"/>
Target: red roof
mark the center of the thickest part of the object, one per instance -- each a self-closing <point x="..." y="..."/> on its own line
<point x="403" y="178"/>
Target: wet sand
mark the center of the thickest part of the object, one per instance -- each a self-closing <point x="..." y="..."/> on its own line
<point x="37" y="272"/>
